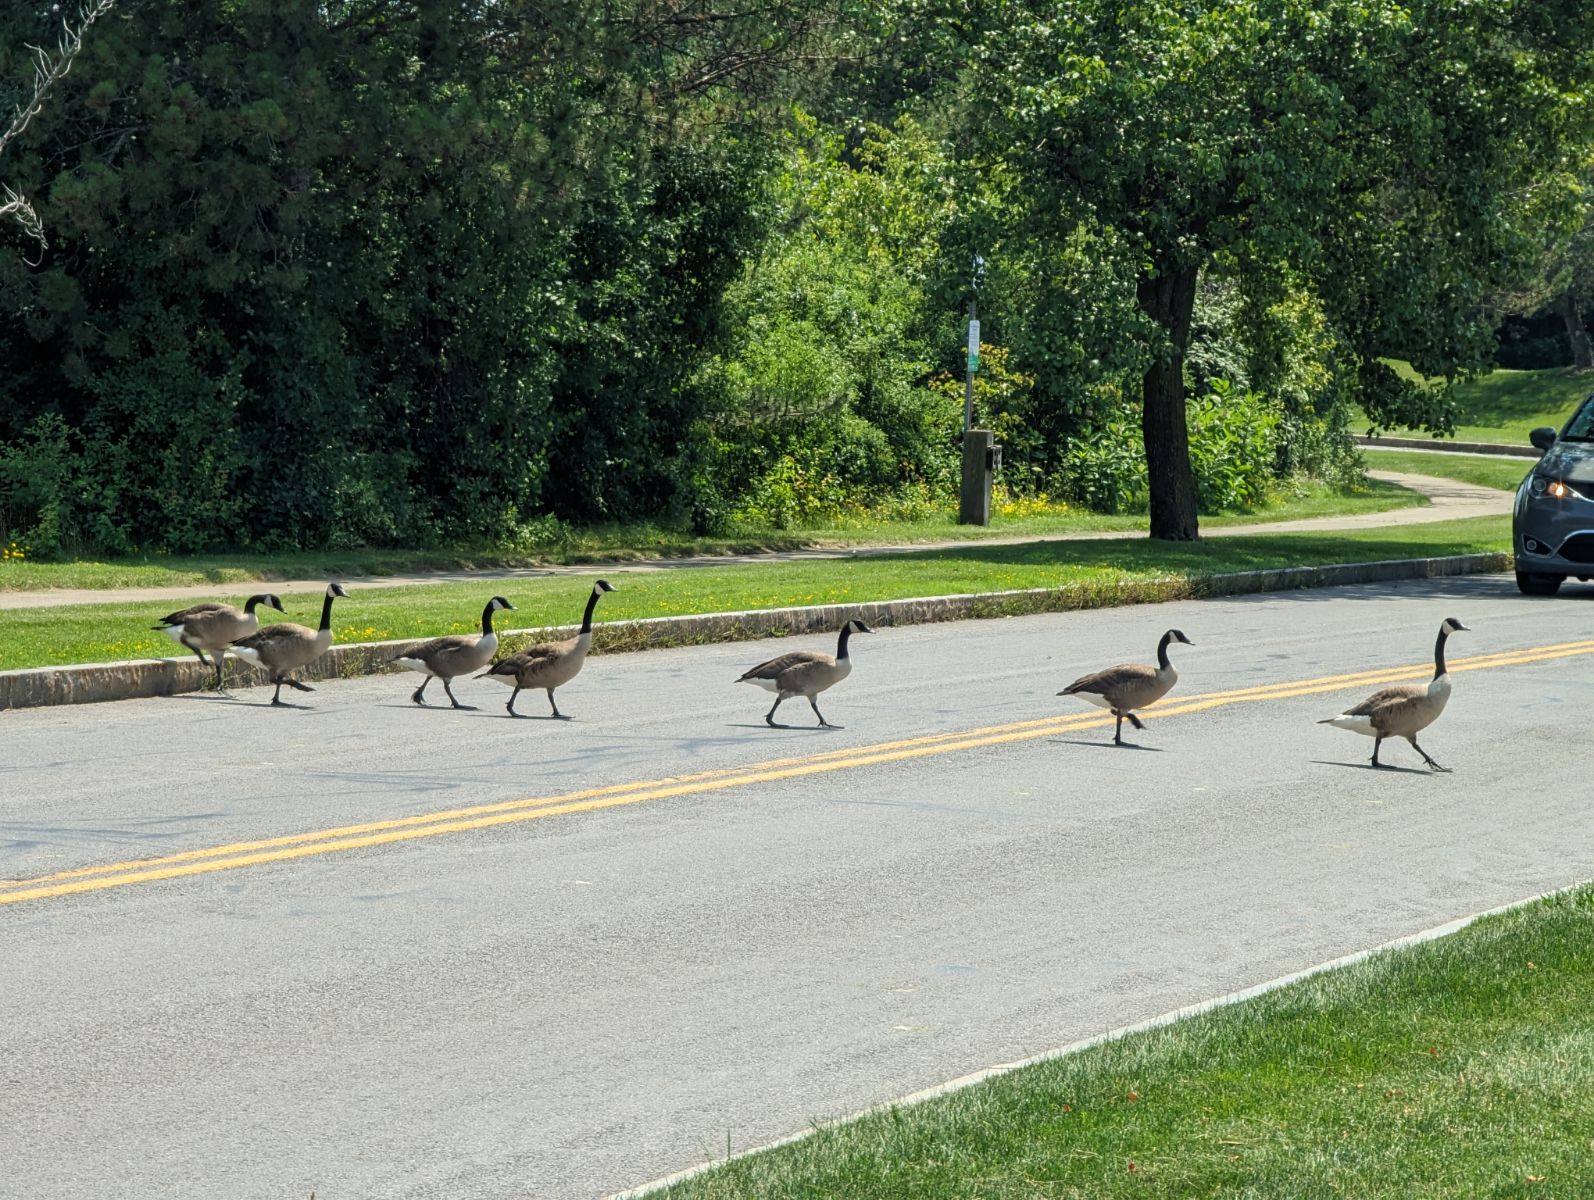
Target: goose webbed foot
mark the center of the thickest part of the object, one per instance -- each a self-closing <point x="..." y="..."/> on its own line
<point x="297" y="686"/>
<point x="1134" y="720"/>
<point x="455" y="701"/>
<point x="1432" y="765"/>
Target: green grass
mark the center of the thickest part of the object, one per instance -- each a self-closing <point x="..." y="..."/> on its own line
<point x="1502" y="473"/>
<point x="103" y="632"/>
<point x="1457" y="1068"/>
<point x="1502" y="406"/>
<point x="635" y="543"/>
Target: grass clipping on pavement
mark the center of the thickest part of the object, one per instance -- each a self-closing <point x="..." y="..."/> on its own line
<point x="1461" y="1067"/>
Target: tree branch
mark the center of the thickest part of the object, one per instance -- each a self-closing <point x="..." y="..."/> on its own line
<point x="48" y="70"/>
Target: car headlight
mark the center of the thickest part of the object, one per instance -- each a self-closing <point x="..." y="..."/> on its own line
<point x="1540" y="485"/>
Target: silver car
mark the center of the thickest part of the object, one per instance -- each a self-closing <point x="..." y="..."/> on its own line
<point x="1553" y="527"/>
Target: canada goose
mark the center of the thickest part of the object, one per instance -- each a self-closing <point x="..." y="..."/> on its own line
<point x="1406" y="709"/>
<point x="805" y="673"/>
<point x="458" y="654"/>
<point x="551" y="664"/>
<point x="279" y="649"/>
<point x="1129" y="686"/>
<point x="213" y="627"/>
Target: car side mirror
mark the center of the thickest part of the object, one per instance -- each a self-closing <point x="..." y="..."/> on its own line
<point x="1542" y="438"/>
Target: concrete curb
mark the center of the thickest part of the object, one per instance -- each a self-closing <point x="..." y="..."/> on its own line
<point x="1448" y="447"/>
<point x="95" y="682"/>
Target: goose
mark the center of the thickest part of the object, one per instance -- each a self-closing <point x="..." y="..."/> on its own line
<point x="1129" y="686"/>
<point x="279" y="649"/>
<point x="1404" y="710"/>
<point x="212" y="626"/>
<point x="458" y="654"/>
<point x="551" y="664"/>
<point x="805" y="673"/>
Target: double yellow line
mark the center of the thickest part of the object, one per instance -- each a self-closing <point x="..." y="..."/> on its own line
<point x="485" y="816"/>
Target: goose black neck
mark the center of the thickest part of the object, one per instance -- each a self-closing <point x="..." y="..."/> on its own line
<point x="326" y="612"/>
<point x="1439" y="652"/>
<point x="841" y="642"/>
<point x="586" y="617"/>
<point x="1162" y="652"/>
<point x="487" y="619"/>
<point x="249" y="605"/>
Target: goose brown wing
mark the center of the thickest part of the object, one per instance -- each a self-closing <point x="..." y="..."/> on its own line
<point x="528" y="659"/>
<point x="775" y="667"/>
<point x="281" y="634"/>
<point x="438" y="645"/>
<point x="1384" y="698"/>
<point x="1101" y="682"/>
<point x="183" y="616"/>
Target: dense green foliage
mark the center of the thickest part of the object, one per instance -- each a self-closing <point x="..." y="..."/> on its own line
<point x="433" y="271"/>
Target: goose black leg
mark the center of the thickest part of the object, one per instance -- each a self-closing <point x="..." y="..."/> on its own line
<point x="558" y="716"/>
<point x="769" y="717"/>
<point x="1432" y="766"/>
<point x="297" y="686"/>
<point x="511" y="705"/>
<point x="276" y="696"/>
<point x="1377" y="742"/>
<point x="221" y="671"/>
<point x="418" y="693"/>
<point x="450" y="692"/>
<point x="1118" y="729"/>
<point x="823" y="724"/>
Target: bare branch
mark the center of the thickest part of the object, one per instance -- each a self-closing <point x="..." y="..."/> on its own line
<point x="48" y="70"/>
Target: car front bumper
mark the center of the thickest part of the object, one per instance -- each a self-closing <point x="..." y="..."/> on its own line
<point x="1553" y="536"/>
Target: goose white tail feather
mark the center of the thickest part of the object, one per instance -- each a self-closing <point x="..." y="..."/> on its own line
<point x="1356" y="724"/>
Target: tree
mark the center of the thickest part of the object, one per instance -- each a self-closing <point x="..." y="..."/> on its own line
<point x="339" y="271"/>
<point x="1378" y="150"/>
<point x="48" y="70"/>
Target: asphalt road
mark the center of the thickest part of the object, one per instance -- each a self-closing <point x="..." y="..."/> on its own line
<point x="571" y="999"/>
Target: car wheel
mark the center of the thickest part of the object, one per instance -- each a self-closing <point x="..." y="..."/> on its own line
<point x="1537" y="585"/>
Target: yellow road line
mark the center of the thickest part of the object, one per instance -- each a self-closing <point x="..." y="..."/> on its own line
<point x="380" y="833"/>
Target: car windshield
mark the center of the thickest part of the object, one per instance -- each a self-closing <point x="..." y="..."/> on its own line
<point x="1581" y="427"/>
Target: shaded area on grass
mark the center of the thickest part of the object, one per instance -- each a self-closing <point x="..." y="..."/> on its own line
<point x="1459" y="1067"/>
<point x="1098" y="569"/>
<point x="1502" y="406"/>
<point x="1502" y="473"/>
<point x="640" y="543"/>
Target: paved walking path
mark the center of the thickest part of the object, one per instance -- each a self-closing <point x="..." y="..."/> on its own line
<point x="1448" y="500"/>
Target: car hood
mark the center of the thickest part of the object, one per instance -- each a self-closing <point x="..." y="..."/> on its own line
<point x="1571" y="461"/>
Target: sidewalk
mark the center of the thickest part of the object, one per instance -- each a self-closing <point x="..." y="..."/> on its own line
<point x="1448" y="500"/>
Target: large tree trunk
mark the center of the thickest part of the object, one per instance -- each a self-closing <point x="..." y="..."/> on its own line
<point x="1576" y="332"/>
<point x="1166" y="293"/>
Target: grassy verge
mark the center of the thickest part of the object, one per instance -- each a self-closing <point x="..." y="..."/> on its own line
<point x="1502" y="473"/>
<point x="642" y="543"/>
<point x="1502" y="406"/>
<point x="1460" y="1067"/>
<point x="105" y="632"/>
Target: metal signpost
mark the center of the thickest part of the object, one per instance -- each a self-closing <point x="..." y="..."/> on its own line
<point x="981" y="455"/>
